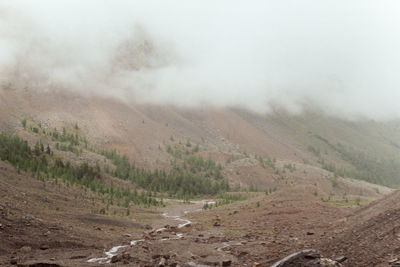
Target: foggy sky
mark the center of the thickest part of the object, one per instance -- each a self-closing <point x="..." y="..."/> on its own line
<point x="341" y="56"/>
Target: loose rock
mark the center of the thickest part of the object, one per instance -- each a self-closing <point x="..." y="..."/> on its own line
<point x="44" y="247"/>
<point x="162" y="262"/>
<point x="226" y="263"/>
<point x="26" y="249"/>
<point x="341" y="259"/>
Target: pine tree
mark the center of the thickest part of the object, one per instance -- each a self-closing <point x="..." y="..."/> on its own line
<point x="24" y="123"/>
<point x="37" y="149"/>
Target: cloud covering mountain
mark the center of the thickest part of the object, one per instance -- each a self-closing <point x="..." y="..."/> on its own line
<point x="339" y="56"/>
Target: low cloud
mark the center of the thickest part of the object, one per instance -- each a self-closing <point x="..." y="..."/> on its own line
<point x="338" y="56"/>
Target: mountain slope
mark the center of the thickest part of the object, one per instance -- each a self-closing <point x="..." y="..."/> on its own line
<point x="142" y="131"/>
<point x="370" y="236"/>
<point x="296" y="168"/>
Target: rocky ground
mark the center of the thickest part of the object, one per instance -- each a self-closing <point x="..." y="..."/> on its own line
<point x="308" y="209"/>
<point x="260" y="231"/>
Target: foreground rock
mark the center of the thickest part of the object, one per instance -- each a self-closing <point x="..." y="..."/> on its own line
<point x="124" y="258"/>
<point x="39" y="264"/>
<point x="306" y="258"/>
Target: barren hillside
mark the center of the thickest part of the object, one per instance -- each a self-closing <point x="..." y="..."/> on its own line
<point x="306" y="178"/>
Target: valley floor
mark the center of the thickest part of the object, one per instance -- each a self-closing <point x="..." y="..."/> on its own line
<point x="53" y="225"/>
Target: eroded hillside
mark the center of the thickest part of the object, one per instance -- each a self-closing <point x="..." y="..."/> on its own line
<point x="94" y="173"/>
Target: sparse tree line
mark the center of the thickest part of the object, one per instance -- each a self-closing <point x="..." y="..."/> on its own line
<point x="190" y="174"/>
<point x="379" y="171"/>
<point x="264" y="162"/>
<point x="186" y="179"/>
<point x="43" y="165"/>
<point x="66" y="141"/>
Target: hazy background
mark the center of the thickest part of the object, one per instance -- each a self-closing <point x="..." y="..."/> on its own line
<point x="341" y="56"/>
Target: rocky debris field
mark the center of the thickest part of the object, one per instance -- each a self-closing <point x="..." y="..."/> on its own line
<point x="260" y="231"/>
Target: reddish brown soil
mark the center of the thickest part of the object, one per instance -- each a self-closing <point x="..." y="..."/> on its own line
<point x="262" y="229"/>
<point x="371" y="236"/>
<point x="54" y="224"/>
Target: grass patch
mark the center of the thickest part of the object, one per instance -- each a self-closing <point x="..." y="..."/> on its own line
<point x="348" y="203"/>
<point x="233" y="233"/>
